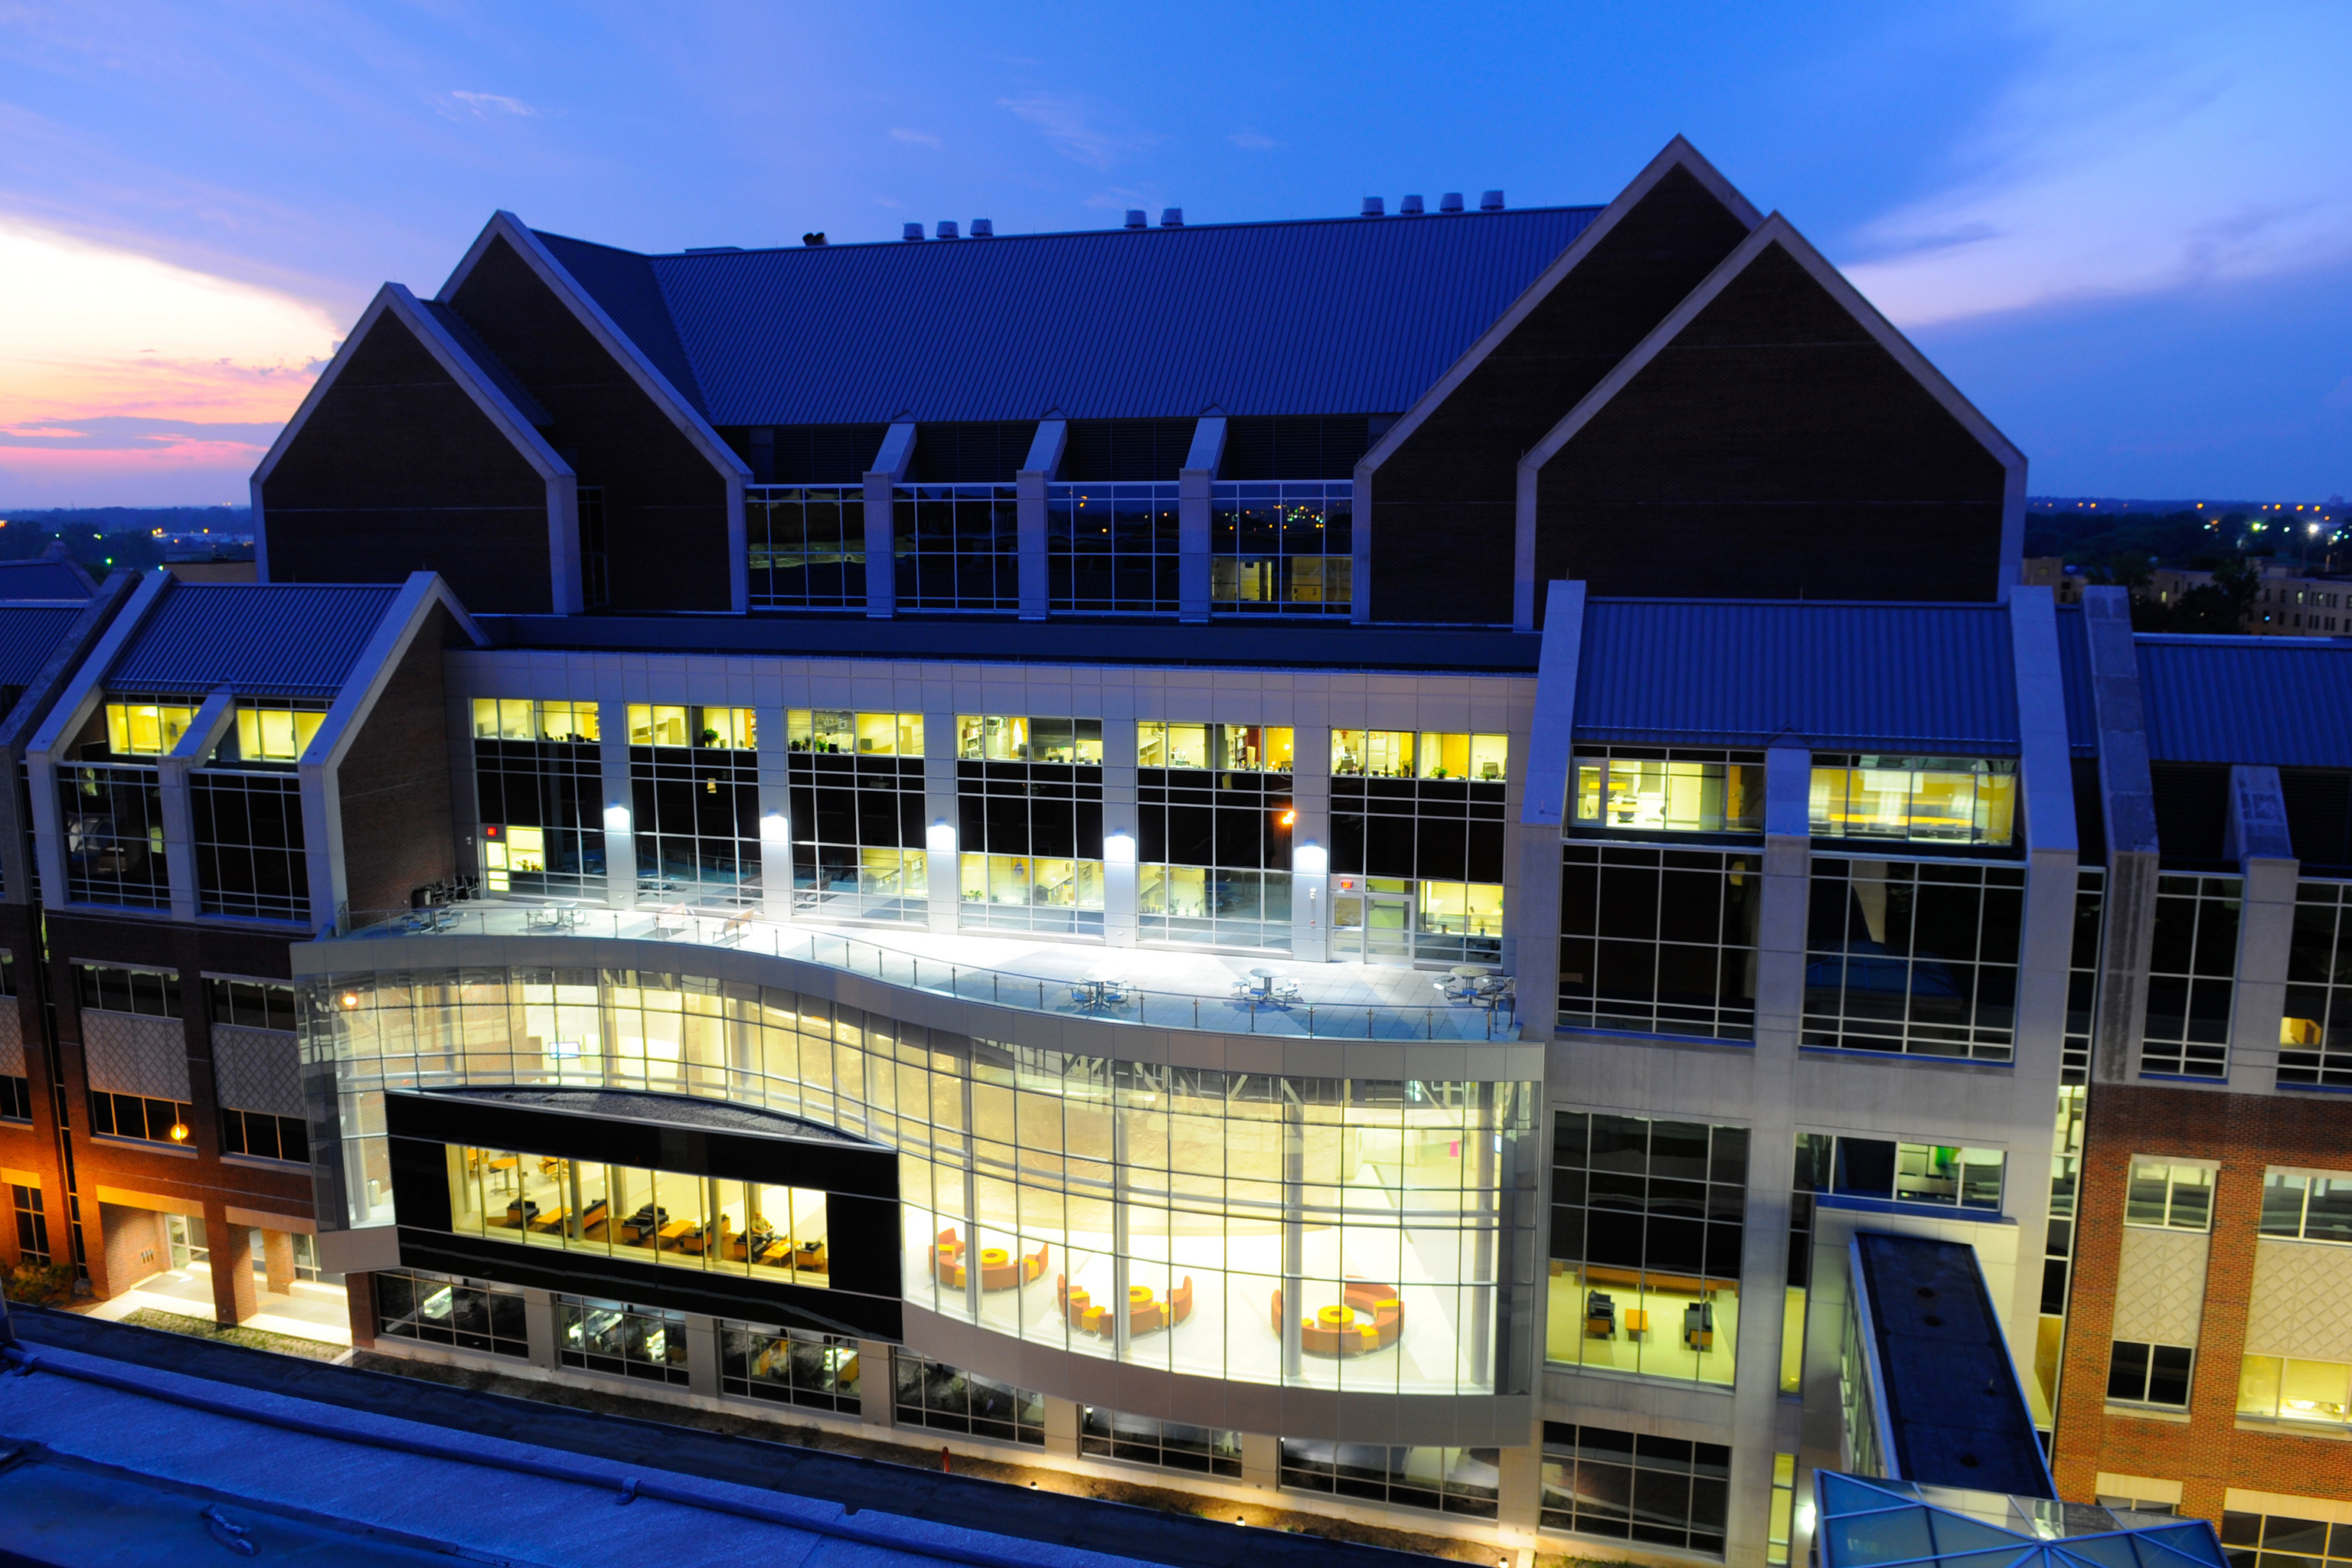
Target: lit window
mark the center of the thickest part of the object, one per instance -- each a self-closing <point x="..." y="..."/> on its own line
<point x="2169" y="1196"/>
<point x="146" y="729"/>
<point x="1669" y="794"/>
<point x="1936" y="800"/>
<point x="836" y="731"/>
<point x="274" y="733"/>
<point x="522" y="719"/>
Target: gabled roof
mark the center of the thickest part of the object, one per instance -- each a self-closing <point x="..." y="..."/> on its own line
<point x="50" y="576"/>
<point x="1895" y="677"/>
<point x="29" y="635"/>
<point x="262" y="640"/>
<point x="1329" y="316"/>
<point x="2274" y="701"/>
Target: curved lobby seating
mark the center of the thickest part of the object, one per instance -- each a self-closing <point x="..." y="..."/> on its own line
<point x="1376" y="1301"/>
<point x="949" y="1267"/>
<point x="1144" y="1317"/>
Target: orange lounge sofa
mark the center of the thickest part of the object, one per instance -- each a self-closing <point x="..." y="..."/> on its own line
<point x="1378" y="1301"/>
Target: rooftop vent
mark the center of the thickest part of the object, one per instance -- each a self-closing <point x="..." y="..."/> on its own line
<point x="1373" y="207"/>
<point x="982" y="229"/>
<point x="1409" y="207"/>
<point x="1135" y="219"/>
<point x="948" y="229"/>
<point x="1451" y="202"/>
<point x="1171" y="217"/>
<point x="1491" y="202"/>
<point x="710" y="250"/>
<point x="816" y="238"/>
<point x="912" y="231"/>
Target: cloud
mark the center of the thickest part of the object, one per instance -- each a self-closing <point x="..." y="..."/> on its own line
<point x="129" y="433"/>
<point x="1251" y="141"/>
<point x="2135" y="154"/>
<point x="485" y="104"/>
<point x="1069" y="125"/>
<point x="915" y="138"/>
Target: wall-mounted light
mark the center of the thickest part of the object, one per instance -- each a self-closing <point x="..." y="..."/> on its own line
<point x="1118" y="849"/>
<point x="775" y="829"/>
<point x="1287" y="819"/>
<point x="350" y="999"/>
<point x="1310" y="860"/>
<point x="939" y="839"/>
<point x="179" y="1133"/>
<point x="616" y="819"/>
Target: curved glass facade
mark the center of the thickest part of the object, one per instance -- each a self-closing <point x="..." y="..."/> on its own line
<point x="1366" y="1236"/>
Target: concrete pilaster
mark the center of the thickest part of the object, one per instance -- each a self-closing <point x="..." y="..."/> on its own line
<point x="1310" y="844"/>
<point x="619" y="799"/>
<point x="2130" y="799"/>
<point x="941" y="839"/>
<point x="1030" y="487"/>
<point x="874" y="1383"/>
<point x="1261" y="1460"/>
<point x="775" y="816"/>
<point x="2256" y="837"/>
<point x="1061" y="1427"/>
<point x="539" y="1327"/>
<point x="1547" y="761"/>
<point x="1122" y="836"/>
<point x="889" y="471"/>
<point x="702" y="1355"/>
<point x="1192" y="490"/>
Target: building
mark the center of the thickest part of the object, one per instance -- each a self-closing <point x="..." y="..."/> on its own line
<point x="1131" y="851"/>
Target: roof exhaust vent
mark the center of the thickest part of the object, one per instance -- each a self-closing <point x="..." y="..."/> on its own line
<point x="1135" y="219"/>
<point x="982" y="229"/>
<point x="1409" y="207"/>
<point x="814" y="239"/>
<point x="1374" y="206"/>
<point x="912" y="231"/>
<point x="1451" y="202"/>
<point x="1491" y="202"/>
<point x="948" y="229"/>
<point x="1171" y="217"/>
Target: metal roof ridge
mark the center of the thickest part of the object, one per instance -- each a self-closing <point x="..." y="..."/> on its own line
<point x="2238" y="640"/>
<point x="1986" y="605"/>
<point x="699" y="254"/>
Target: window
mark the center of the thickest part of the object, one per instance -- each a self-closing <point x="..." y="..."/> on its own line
<point x="1777" y="1523"/>
<point x="1282" y="549"/>
<point x="595" y="579"/>
<point x="1659" y="942"/>
<point x="250" y="1003"/>
<point x="32" y="1223"/>
<point x="1217" y="748"/>
<point x="1660" y="1490"/>
<point x="1646" y="1223"/>
<point x="1372" y="754"/>
<point x="694" y="787"/>
<point x="276" y="731"/>
<point x="857" y="813"/>
<point x="1924" y="800"/>
<point x="1635" y="789"/>
<point x="2149" y="1375"/>
<point x="1168" y="1444"/>
<point x="1918" y="957"/>
<point x="680" y="1221"/>
<point x="2284" y="1543"/>
<point x="2315" y="1035"/>
<point x="1029" y="796"/>
<point x="15" y="1098"/>
<point x="1429" y="849"/>
<point x="807" y="546"/>
<point x="250" y="858"/>
<point x="2284" y="1388"/>
<point x="540" y="781"/>
<point x="113" y="821"/>
<point x="2307" y="1207"/>
<point x="1795" y="1296"/>
<point x="958" y="546"/>
<point x="2171" y="1196"/>
<point x="1112" y="548"/>
<point x="131" y="1116"/>
<point x="1900" y="1173"/>
<point x="789" y="1366"/>
<point x="1445" y="1480"/>
<point x="949" y="1399"/>
<point x="112" y="988"/>
<point x="620" y="1340"/>
<point x="1214" y="839"/>
<point x="147" y="728"/>
<point x="1442" y="754"/>
<point x="2193" y="970"/>
<point x="261" y="1136"/>
<point x="2083" y="975"/>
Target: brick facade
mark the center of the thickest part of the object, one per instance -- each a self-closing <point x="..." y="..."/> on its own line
<point x="2209" y="1453"/>
<point x="397" y="826"/>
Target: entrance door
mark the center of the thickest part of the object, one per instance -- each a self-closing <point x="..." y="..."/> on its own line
<point x="1388" y="928"/>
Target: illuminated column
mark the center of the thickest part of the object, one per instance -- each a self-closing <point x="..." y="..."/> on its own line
<point x="775" y="817"/>
<point x="1121" y="831"/>
<point x="613" y="761"/>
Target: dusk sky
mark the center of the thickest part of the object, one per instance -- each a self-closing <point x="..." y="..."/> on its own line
<point x="2124" y="230"/>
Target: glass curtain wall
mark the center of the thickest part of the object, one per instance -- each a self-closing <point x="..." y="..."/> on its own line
<point x="1918" y="957"/>
<point x="1646" y="1223"/>
<point x="694" y="781"/>
<point x="112" y="817"/>
<point x="1659" y="940"/>
<point x="1282" y="549"/>
<point x="958" y="546"/>
<point x="2192" y="976"/>
<point x="1417" y="819"/>
<point x="249" y="844"/>
<point x="808" y="546"/>
<point x="1923" y="800"/>
<point x="1029" y="796"/>
<point x="538" y="779"/>
<point x="1215" y="810"/>
<point x="857" y="813"/>
<point x="1641" y="790"/>
<point x="1330" y="1234"/>
<point x="2315" y="1035"/>
<point x="1111" y="549"/>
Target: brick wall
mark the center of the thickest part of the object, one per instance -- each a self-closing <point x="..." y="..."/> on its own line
<point x="398" y="834"/>
<point x="136" y="1245"/>
<point x="2244" y="1133"/>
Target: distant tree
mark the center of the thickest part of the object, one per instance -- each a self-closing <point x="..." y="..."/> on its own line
<point x="2215" y="609"/>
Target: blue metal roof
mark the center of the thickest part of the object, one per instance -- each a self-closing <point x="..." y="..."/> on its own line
<point x="2074" y="672"/>
<point x="29" y="634"/>
<point x="1326" y="316"/>
<point x="1932" y="679"/>
<point x="274" y="640"/>
<point x="43" y="578"/>
<point x="2280" y="701"/>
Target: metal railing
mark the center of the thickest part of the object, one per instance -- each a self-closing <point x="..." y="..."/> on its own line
<point x="1270" y="1006"/>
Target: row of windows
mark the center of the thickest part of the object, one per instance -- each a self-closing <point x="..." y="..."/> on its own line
<point x="155" y="994"/>
<point x="265" y="731"/>
<point x="1931" y="800"/>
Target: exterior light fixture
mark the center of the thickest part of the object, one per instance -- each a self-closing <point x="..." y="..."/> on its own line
<point x="616" y="819"/>
<point x="1289" y="818"/>
<point x="179" y="1133"/>
<point x="350" y="999"/>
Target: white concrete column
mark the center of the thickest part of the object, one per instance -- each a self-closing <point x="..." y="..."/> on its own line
<point x="2257" y="840"/>
<point x="882" y="481"/>
<point x="619" y="800"/>
<point x="1122" y="835"/>
<point x="2129" y="794"/>
<point x="942" y="837"/>
<point x="1193" y="493"/>
<point x="1062" y="1427"/>
<point x="775" y="815"/>
<point x="702" y="1355"/>
<point x="876" y="1392"/>
<point x="539" y="1327"/>
<point x="1030" y="488"/>
<point x="1310" y="843"/>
